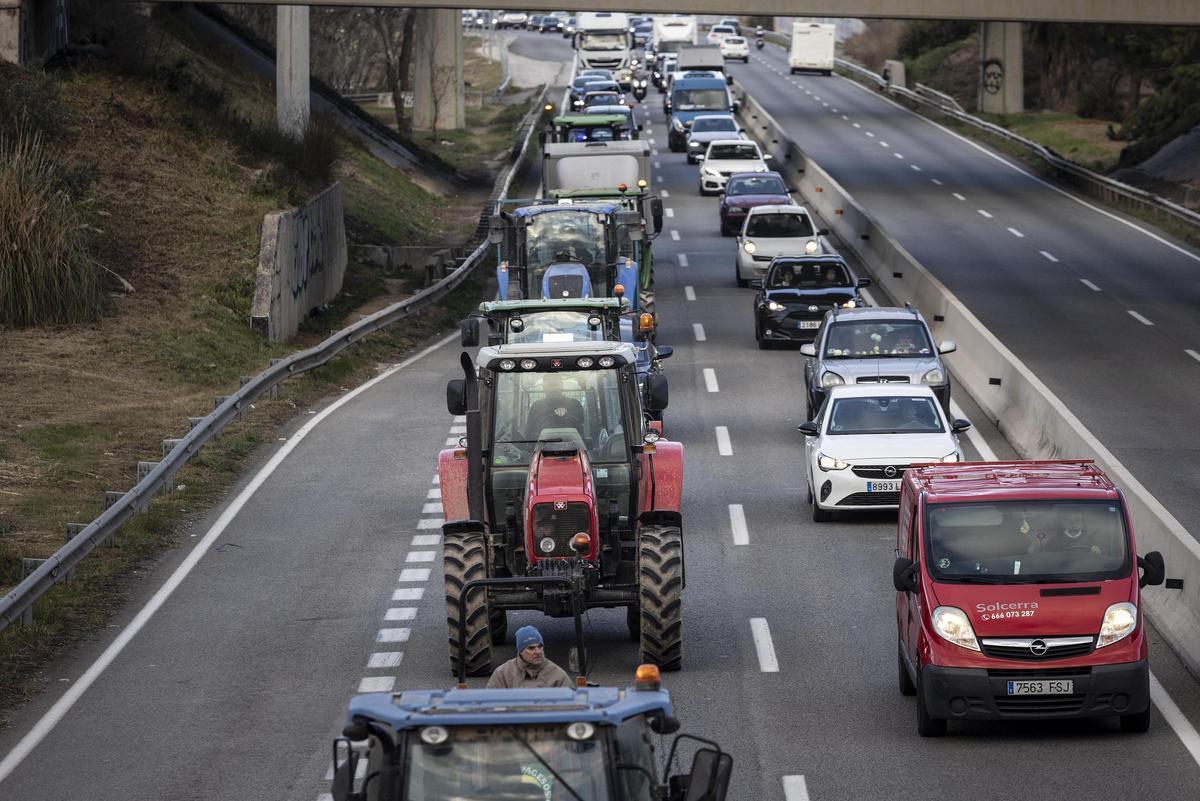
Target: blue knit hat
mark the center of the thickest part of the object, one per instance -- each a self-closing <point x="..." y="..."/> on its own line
<point x="527" y="636"/>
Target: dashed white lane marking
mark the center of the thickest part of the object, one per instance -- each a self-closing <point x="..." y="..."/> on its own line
<point x="767" y="662"/>
<point x="724" y="446"/>
<point x="436" y="479"/>
<point x="434" y="494"/>
<point x="393" y="635"/>
<point x="384" y="659"/>
<point x="698" y="330"/>
<point x="1048" y="256"/>
<point x="794" y="788"/>
<point x="689" y="293"/>
<point x="936" y="182"/>
<point x="883" y="143"/>
<point x="429" y="522"/>
<point x="898" y="155"/>
<point x="868" y="133"/>
<point x="710" y="380"/>
<point x="834" y="110"/>
<point x="1016" y="233"/>
<point x="376" y="684"/>
<point x="420" y="556"/>
<point x="856" y="125"/>
<point x="460" y="418"/>
<point x="960" y="197"/>
<point x="414" y="574"/>
<point x="658" y="165"/>
<point x="658" y="178"/>
<point x="458" y="429"/>
<point x="427" y="539"/>
<point x="401" y="613"/>
<point x="674" y="235"/>
<point x="665" y="193"/>
<point x="683" y="260"/>
<point x="670" y="212"/>
<point x="737" y="524"/>
<point x="433" y="507"/>
<point x="654" y="152"/>
<point x="844" y="117"/>
<point x="1089" y="284"/>
<point x="451" y="441"/>
<point x="916" y="167"/>
<point x="1192" y="353"/>
<point x="408" y="594"/>
<point x="1175" y="718"/>
<point x="984" y="213"/>
<point x="650" y="140"/>
<point x="1139" y="317"/>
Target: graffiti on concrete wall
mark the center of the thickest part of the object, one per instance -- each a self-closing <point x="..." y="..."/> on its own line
<point x="993" y="76"/>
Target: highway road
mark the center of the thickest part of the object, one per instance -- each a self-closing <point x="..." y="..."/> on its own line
<point x="229" y="673"/>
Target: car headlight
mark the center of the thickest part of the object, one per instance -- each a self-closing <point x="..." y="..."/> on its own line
<point x="950" y="457"/>
<point x="934" y="377"/>
<point x="952" y="625"/>
<point x="850" y="304"/>
<point x="749" y="246"/>
<point x="775" y="307"/>
<point x="828" y="463"/>
<point x="811" y="247"/>
<point x="1119" y="622"/>
<point x="693" y="144"/>
<point x="831" y="379"/>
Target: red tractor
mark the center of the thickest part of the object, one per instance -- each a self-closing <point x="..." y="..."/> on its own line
<point x="562" y="477"/>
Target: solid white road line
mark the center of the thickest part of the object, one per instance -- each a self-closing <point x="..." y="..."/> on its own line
<point x="960" y="197"/>
<point x="433" y="507"/>
<point x="393" y="635"/>
<point x="414" y="574"/>
<point x="794" y="788"/>
<point x="767" y="662"/>
<point x="1048" y="256"/>
<point x="683" y="260"/>
<point x="420" y="556"/>
<point x="401" y="613"/>
<point x="1089" y="284"/>
<point x="710" y="380"/>
<point x="670" y="212"/>
<point x="408" y="594"/>
<point x="63" y="705"/>
<point x="984" y="213"/>
<point x="376" y="684"/>
<point x="698" y="330"/>
<point x="1175" y="718"/>
<point x="674" y="235"/>
<point x="724" y="447"/>
<point x="1192" y="353"/>
<point x="427" y="539"/>
<point x="429" y="522"/>
<point x="1016" y="233"/>
<point x="737" y="523"/>
<point x="689" y="293"/>
<point x="1139" y="317"/>
<point x="973" y="436"/>
<point x="384" y="659"/>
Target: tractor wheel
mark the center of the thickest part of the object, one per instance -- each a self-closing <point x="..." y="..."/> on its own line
<point x="660" y="579"/>
<point x="645" y="300"/>
<point x="463" y="560"/>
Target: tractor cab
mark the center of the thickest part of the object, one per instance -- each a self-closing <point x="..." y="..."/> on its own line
<point x="566" y="250"/>
<point x="590" y="128"/>
<point x="584" y="744"/>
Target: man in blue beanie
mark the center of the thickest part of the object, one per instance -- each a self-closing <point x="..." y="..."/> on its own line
<point x="530" y="667"/>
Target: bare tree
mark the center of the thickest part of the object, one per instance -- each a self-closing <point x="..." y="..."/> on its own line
<point x="394" y="26"/>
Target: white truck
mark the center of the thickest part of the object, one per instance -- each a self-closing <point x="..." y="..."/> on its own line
<point x="603" y="41"/>
<point x="812" y="47"/>
<point x="670" y="34"/>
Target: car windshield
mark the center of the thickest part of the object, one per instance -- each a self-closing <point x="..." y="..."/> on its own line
<point x="598" y="133"/>
<point x="718" y="29"/>
<point x="565" y="236"/>
<point x="603" y="41"/>
<point x="601" y="98"/>
<point x="700" y="100"/>
<point x="493" y="764"/>
<point x="747" y="151"/>
<point x="884" y="415"/>
<point x="584" y="80"/>
<point x="790" y="275"/>
<point x="756" y="185"/>
<point x="555" y="326"/>
<point x="709" y="124"/>
<point x="877" y="339"/>
<point x="779" y="225"/>
<point x="583" y="407"/>
<point x="1012" y="542"/>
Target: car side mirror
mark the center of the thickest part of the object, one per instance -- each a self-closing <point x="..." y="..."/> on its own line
<point x="863" y="282"/>
<point x="768" y="157"/>
<point x="960" y="425"/>
<point x="657" y="394"/>
<point x="904" y="575"/>
<point x="822" y="232"/>
<point x="1154" y="572"/>
<point x="700" y="156"/>
<point x="809" y="428"/>
<point x="808" y="349"/>
<point x="709" y="777"/>
<point x="456" y="396"/>
<point x="664" y="352"/>
<point x="756" y="283"/>
<point x="947" y="346"/>
<point x="735" y="106"/>
<point x="656" y="214"/>
<point x="468" y="332"/>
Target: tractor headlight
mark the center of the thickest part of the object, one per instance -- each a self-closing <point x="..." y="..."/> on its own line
<point x="811" y="247"/>
<point x="528" y="364"/>
<point x="934" y="377"/>
<point x="952" y="625"/>
<point x="507" y="364"/>
<point x="828" y="463"/>
<point x="749" y="246"/>
<point x="1119" y="622"/>
<point x="585" y="362"/>
<point x="606" y="361"/>
<point x="831" y="379"/>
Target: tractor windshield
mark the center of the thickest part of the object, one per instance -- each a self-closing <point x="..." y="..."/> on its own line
<point x="497" y="764"/>
<point x="574" y="236"/>
<point x="583" y="407"/>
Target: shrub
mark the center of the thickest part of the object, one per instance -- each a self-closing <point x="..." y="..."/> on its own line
<point x="30" y="98"/>
<point x="47" y="274"/>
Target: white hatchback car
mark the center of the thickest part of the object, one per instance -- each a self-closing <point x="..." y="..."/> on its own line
<point x="865" y="436"/>
<point x="736" y="47"/>
<point x="718" y="32"/>
<point x="775" y="230"/>
<point x="724" y="157"/>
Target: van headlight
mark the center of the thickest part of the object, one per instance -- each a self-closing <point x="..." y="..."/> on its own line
<point x="934" y="377"/>
<point x="828" y="463"/>
<point x="811" y="247"/>
<point x="1119" y="622"/>
<point x="831" y="379"/>
<point x="952" y="625"/>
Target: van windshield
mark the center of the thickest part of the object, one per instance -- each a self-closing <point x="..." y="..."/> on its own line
<point x="1026" y="542"/>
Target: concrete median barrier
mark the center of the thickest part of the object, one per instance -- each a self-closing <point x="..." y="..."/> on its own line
<point x="1034" y="420"/>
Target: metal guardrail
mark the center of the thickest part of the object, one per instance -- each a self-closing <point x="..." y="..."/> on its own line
<point x="936" y="95"/>
<point x="16" y="605"/>
<point x="1096" y="184"/>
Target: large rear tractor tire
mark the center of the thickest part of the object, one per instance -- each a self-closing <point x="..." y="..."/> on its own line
<point x="464" y="559"/>
<point x="660" y="579"/>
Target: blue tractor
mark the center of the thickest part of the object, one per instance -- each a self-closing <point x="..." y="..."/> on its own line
<point x="582" y="744"/>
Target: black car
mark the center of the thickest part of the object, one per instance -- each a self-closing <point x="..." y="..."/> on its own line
<point x="796" y="293"/>
<point x="550" y="24"/>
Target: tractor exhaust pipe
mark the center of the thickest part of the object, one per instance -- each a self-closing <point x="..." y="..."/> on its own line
<point x="474" y="441"/>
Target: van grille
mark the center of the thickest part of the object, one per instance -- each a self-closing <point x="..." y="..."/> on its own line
<point x="1021" y="650"/>
<point x="559" y="525"/>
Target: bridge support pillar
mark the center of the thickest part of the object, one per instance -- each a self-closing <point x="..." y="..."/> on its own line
<point x="1001" y="68"/>
<point x="32" y="30"/>
<point x="438" y="70"/>
<point x="291" y="70"/>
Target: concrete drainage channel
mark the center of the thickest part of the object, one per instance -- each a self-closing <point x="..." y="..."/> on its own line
<point x="1035" y="421"/>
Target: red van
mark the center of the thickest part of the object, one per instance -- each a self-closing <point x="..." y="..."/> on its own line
<point x="1017" y="595"/>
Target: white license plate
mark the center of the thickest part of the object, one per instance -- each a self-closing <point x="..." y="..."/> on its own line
<point x="809" y="324"/>
<point x="1042" y="687"/>
<point x="883" y="486"/>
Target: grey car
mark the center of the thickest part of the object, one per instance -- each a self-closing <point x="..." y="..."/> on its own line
<point x="709" y="128"/>
<point x="880" y="345"/>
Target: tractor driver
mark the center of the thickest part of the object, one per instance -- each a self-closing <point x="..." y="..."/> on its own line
<point x="530" y="667"/>
<point x="553" y="409"/>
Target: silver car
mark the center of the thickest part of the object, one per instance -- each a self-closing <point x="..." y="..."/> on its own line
<point x="877" y="345"/>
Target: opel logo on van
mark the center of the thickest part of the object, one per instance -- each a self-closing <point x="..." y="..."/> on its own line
<point x="1038" y="648"/>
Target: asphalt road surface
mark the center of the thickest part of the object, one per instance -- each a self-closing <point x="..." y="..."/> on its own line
<point x="230" y="672"/>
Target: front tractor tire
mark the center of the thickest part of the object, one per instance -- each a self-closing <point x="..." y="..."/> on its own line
<point x="464" y="558"/>
<point x="660" y="592"/>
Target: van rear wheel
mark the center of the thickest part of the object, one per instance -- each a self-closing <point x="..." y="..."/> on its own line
<point x="1136" y="724"/>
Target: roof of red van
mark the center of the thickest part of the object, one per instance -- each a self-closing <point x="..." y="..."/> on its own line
<point x="1076" y="478"/>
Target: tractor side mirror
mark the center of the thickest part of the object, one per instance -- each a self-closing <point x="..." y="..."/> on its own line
<point x="496" y="229"/>
<point x="663" y="724"/>
<point x="664" y="352"/>
<point x="656" y="214"/>
<point x="1154" y="571"/>
<point x="456" y="396"/>
<point x="468" y="332"/>
<point x="657" y="395"/>
<point x="904" y="575"/>
<point x="343" y="777"/>
<point x="709" y="777"/>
